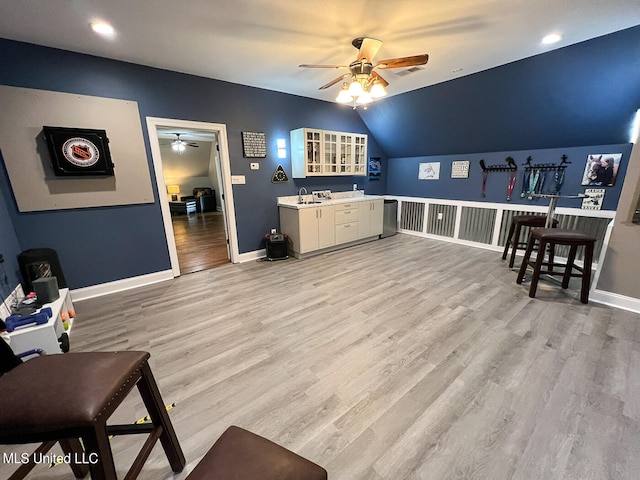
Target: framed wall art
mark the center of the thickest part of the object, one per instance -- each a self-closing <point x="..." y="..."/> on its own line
<point x="78" y="151"/>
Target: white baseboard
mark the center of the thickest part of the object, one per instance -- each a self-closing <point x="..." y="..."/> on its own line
<point x="615" y="300"/>
<point x="250" y="256"/>
<point x="120" y="285"/>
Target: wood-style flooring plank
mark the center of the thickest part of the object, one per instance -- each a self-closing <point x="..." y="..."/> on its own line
<point x="403" y="358"/>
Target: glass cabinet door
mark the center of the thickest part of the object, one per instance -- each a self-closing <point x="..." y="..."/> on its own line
<point x="346" y="153"/>
<point x="330" y="165"/>
<point x="360" y="155"/>
<point x="313" y="153"/>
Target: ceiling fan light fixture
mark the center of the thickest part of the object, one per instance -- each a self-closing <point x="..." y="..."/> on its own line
<point x="377" y="90"/>
<point x="355" y="89"/>
<point x="364" y="99"/>
<point x="343" y="95"/>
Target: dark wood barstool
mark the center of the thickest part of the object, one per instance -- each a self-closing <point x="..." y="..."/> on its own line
<point x="513" y="238"/>
<point x="66" y="397"/>
<point x="550" y="237"/>
<point x="240" y="454"/>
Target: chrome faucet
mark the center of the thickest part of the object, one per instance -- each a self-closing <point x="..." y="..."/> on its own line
<point x="300" y="199"/>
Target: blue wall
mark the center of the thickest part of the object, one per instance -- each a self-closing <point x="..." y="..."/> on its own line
<point x="403" y="176"/>
<point x="584" y="94"/>
<point x="99" y="245"/>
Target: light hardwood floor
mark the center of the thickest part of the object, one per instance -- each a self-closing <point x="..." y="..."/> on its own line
<point x="404" y="358"/>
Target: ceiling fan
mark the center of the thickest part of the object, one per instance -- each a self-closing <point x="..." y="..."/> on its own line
<point x="365" y="83"/>
<point x="179" y="145"/>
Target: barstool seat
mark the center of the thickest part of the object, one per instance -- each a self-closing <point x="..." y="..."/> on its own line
<point x="71" y="396"/>
<point x="513" y="237"/>
<point x="550" y="237"/>
<point x="241" y="455"/>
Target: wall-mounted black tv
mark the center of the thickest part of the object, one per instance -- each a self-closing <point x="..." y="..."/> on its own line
<point x="79" y="151"/>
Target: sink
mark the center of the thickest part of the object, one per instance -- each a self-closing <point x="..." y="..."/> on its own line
<point x="308" y="202"/>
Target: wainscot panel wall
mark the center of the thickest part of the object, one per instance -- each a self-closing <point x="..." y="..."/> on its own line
<point x="100" y="245"/>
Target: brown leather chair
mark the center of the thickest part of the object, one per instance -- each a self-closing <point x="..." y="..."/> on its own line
<point x="241" y="455"/>
<point x="66" y="397"/>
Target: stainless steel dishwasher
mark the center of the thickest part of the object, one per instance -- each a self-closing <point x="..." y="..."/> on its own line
<point x="390" y="218"/>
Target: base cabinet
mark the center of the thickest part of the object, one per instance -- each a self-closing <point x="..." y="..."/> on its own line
<point x="309" y="229"/>
<point x="370" y="218"/>
<point x="320" y="227"/>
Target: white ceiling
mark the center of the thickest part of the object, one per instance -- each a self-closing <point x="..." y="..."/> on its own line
<point x="261" y="42"/>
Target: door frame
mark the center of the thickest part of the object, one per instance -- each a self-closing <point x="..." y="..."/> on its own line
<point x="153" y="123"/>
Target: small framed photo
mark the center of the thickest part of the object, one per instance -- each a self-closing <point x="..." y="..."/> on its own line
<point x="601" y="169"/>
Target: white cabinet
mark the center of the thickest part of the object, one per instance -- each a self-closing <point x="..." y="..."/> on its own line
<point x="309" y="228"/>
<point x="327" y="153"/>
<point x="370" y="218"/>
<point x="45" y="336"/>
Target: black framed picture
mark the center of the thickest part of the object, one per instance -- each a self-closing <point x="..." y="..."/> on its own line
<point x="79" y="151"/>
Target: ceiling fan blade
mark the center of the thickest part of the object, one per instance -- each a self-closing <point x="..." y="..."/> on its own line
<point x="368" y="48"/>
<point x="333" y="82"/>
<point x="382" y="81"/>
<point x="403" y="62"/>
<point x="322" y="66"/>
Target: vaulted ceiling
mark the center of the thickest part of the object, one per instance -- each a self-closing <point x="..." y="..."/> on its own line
<point x="261" y="42"/>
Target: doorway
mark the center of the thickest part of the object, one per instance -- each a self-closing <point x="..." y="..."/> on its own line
<point x="162" y="130"/>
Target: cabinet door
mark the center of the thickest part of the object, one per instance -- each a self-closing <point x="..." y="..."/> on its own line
<point x="326" y="227"/>
<point x="360" y="155"/>
<point x="313" y="160"/>
<point x="346" y="154"/>
<point x="364" y="220"/>
<point x="308" y="218"/>
<point x="330" y="152"/>
<point x="377" y="216"/>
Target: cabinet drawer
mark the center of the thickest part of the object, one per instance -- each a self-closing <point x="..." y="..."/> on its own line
<point x="346" y="215"/>
<point x="346" y="232"/>
<point x="346" y="206"/>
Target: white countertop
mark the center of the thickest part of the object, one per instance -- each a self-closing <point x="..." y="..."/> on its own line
<point x="336" y="198"/>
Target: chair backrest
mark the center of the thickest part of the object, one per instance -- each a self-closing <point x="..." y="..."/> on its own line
<point x="8" y="359"/>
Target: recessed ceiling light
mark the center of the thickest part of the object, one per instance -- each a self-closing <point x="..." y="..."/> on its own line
<point x="103" y="28"/>
<point x="551" y="38"/>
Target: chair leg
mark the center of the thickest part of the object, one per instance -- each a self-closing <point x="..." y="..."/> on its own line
<point x="73" y="447"/>
<point x="514" y="242"/>
<point x="586" y="273"/>
<point x="508" y="241"/>
<point x="97" y="447"/>
<point x="569" y="268"/>
<point x="159" y="416"/>
<point x="525" y="260"/>
<point x="537" y="267"/>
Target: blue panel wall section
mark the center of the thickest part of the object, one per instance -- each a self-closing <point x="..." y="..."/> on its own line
<point x="99" y="245"/>
<point x="584" y="94"/>
<point x="403" y="176"/>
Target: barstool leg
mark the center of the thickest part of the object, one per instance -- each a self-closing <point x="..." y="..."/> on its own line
<point x="96" y="443"/>
<point x="508" y="241"/>
<point x="537" y="267"/>
<point x="586" y="273"/>
<point x="525" y="260"/>
<point x="514" y="242"/>
<point x="159" y="416"/>
<point x="569" y="268"/>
